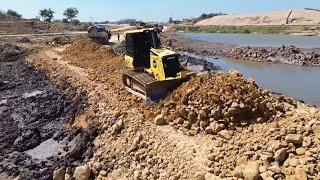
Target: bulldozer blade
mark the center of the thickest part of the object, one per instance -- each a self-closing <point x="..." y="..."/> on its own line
<point x="147" y="87"/>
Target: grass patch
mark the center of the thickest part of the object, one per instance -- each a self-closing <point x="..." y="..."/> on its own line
<point x="238" y="29"/>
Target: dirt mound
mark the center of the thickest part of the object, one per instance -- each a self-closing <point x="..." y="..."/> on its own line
<point x="219" y="101"/>
<point x="87" y="54"/>
<point x="102" y="65"/>
<point x="10" y="52"/>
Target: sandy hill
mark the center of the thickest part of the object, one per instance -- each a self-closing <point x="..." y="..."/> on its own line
<point x="296" y="17"/>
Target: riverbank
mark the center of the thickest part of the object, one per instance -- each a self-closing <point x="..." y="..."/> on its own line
<point x="284" y="54"/>
<point x="289" y="30"/>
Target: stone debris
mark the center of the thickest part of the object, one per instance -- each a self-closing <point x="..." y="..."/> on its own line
<point x="214" y="102"/>
<point x="284" y="55"/>
<point x="82" y="173"/>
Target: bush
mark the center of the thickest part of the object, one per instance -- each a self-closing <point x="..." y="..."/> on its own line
<point x="75" y="22"/>
<point x="47" y="14"/>
<point x="13" y="13"/>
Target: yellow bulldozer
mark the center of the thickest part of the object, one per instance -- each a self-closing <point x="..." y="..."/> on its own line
<point x="153" y="71"/>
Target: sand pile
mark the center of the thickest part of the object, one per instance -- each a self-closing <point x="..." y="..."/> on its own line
<point x="213" y="102"/>
<point x="297" y="17"/>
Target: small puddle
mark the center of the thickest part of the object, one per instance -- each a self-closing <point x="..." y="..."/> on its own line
<point x="44" y="150"/>
<point x="32" y="94"/>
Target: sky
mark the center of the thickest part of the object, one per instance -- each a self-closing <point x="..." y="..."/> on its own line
<point x="151" y="10"/>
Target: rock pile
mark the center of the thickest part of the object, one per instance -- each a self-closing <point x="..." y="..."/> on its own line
<point x="283" y="149"/>
<point x="284" y="54"/>
<point x="214" y="102"/>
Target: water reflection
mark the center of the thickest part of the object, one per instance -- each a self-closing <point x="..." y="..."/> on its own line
<point x="257" y="40"/>
<point x="299" y="82"/>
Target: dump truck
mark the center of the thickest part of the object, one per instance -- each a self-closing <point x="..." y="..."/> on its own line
<point x="99" y="34"/>
<point x="152" y="70"/>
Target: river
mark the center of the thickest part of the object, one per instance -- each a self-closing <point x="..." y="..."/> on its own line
<point x="257" y="40"/>
<point x="299" y="82"/>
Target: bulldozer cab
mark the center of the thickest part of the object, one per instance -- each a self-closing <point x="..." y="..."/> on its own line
<point x="153" y="71"/>
<point x="138" y="46"/>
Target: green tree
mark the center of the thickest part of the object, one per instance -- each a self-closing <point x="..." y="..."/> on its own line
<point x="46" y="14"/>
<point x="71" y="13"/>
<point x="75" y="22"/>
<point x="11" y="12"/>
<point x="2" y="14"/>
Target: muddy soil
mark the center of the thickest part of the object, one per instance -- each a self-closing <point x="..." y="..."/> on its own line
<point x="10" y="52"/>
<point x="34" y="117"/>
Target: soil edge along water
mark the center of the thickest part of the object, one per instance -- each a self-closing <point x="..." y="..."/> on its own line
<point x="268" y="66"/>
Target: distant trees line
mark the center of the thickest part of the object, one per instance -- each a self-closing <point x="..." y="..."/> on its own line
<point x="10" y="12"/>
<point x="70" y="15"/>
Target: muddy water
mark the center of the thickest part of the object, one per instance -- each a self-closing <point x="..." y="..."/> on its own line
<point x="257" y="40"/>
<point x="302" y="83"/>
<point x="299" y="82"/>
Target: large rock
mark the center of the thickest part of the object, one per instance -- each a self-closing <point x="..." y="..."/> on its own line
<point x="242" y="160"/>
<point x="225" y="134"/>
<point x="280" y="155"/>
<point x="316" y="130"/>
<point x="296" y="139"/>
<point x="117" y="127"/>
<point x="215" y="127"/>
<point x="251" y="171"/>
<point x="299" y="175"/>
<point x="159" y="120"/>
<point x="59" y="174"/>
<point x="82" y="173"/>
